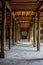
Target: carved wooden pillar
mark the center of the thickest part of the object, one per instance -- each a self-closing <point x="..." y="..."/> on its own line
<point x="3" y="28"/>
<point x="42" y="33"/>
<point x="34" y="33"/>
<point x="19" y="36"/>
<point x="29" y="34"/>
<point x="38" y="32"/>
<point x="13" y="31"/>
<point x="10" y="32"/>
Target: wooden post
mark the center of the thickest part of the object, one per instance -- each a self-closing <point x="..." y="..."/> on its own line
<point x="29" y="33"/>
<point x="13" y="28"/>
<point x="34" y="33"/>
<point x="28" y="37"/>
<point x="10" y="31"/>
<point x="18" y="35"/>
<point x="42" y="33"/>
<point x="15" y="31"/>
<point x="2" y="55"/>
<point x="38" y="32"/>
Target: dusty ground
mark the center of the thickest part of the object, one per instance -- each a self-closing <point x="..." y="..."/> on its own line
<point x="22" y="54"/>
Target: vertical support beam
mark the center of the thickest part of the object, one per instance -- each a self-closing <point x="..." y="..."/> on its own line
<point x="17" y="32"/>
<point x="10" y="31"/>
<point x="30" y="34"/>
<point x="13" y="28"/>
<point x="42" y="33"/>
<point x="19" y="36"/>
<point x="3" y="28"/>
<point x="34" y="33"/>
<point x="38" y="32"/>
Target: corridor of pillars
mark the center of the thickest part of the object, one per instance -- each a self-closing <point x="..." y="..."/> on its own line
<point x="11" y="31"/>
<point x="7" y="29"/>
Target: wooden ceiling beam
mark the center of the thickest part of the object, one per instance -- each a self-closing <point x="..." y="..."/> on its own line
<point x="23" y="1"/>
<point x="24" y="6"/>
<point x="30" y="3"/>
<point x="23" y="16"/>
<point x="22" y="21"/>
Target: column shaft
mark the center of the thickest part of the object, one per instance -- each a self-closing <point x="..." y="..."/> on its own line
<point x="38" y="32"/>
<point x="42" y="33"/>
<point x="13" y="32"/>
<point x="34" y="34"/>
<point x="10" y="32"/>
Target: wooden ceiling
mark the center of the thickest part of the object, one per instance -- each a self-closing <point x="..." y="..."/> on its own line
<point x="24" y="10"/>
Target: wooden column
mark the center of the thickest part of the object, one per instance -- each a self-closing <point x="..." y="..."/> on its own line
<point x="42" y="33"/>
<point x="16" y="31"/>
<point x="2" y="54"/>
<point x="38" y="32"/>
<point x="29" y="33"/>
<point x="19" y="36"/>
<point x="10" y="31"/>
<point x="34" y="33"/>
<point x="28" y="37"/>
<point x="13" y="31"/>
